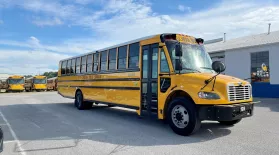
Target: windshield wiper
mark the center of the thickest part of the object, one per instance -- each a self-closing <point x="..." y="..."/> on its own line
<point x="192" y="69"/>
<point x="207" y="68"/>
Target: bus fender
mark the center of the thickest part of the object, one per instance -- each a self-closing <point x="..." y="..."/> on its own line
<point x="172" y="95"/>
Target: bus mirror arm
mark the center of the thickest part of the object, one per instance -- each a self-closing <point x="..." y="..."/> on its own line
<point x="209" y="80"/>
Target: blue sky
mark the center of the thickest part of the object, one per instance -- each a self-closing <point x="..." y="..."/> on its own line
<point x="35" y="35"/>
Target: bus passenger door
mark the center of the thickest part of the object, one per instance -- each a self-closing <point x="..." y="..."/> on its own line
<point x="149" y="94"/>
<point x="164" y="80"/>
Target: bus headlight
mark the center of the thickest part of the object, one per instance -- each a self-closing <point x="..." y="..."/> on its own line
<point x="208" y="95"/>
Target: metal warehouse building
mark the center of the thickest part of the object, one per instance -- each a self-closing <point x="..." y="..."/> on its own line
<point x="255" y="58"/>
<point x="3" y="77"/>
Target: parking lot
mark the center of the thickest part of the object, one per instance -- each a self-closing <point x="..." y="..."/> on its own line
<point x="46" y="123"/>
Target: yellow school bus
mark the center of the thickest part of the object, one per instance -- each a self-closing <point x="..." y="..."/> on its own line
<point x="169" y="76"/>
<point x="15" y="83"/>
<point x="37" y="83"/>
<point x="52" y="84"/>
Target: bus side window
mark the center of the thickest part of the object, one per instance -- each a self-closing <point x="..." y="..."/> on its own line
<point x="96" y="62"/>
<point x="133" y="56"/>
<point x="63" y="70"/>
<point x="103" y="60"/>
<point x="164" y="63"/>
<point x="122" y="54"/>
<point x="78" y="65"/>
<point x="68" y="67"/>
<point x="112" y="59"/>
<point x="83" y="64"/>
<point x="73" y="69"/>
<point x="89" y="63"/>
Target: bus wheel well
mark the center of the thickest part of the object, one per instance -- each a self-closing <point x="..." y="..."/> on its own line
<point x="173" y="95"/>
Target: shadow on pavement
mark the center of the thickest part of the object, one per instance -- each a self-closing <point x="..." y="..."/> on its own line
<point x="62" y="121"/>
<point x="272" y="104"/>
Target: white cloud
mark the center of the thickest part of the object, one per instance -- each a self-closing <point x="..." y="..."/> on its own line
<point x="85" y="2"/>
<point x="50" y="7"/>
<point x="28" y="62"/>
<point x="184" y="8"/>
<point x="237" y="18"/>
<point x="34" y="41"/>
<point x="48" y="22"/>
<point x="73" y="46"/>
<point x="123" y="20"/>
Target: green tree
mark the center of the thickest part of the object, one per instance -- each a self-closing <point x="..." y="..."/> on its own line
<point x="50" y="74"/>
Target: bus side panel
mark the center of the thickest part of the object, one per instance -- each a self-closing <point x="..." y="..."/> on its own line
<point x="119" y="88"/>
<point x="67" y="91"/>
<point x="113" y="91"/>
<point x="123" y="97"/>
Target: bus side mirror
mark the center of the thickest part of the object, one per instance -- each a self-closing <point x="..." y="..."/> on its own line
<point x="178" y="64"/>
<point x="218" y="66"/>
<point x="178" y="50"/>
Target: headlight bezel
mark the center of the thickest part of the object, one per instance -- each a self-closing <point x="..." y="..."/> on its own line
<point x="208" y="95"/>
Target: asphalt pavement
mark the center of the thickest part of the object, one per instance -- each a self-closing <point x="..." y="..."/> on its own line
<point x="46" y="123"/>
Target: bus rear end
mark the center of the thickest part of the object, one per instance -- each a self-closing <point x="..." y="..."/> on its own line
<point x="52" y="84"/>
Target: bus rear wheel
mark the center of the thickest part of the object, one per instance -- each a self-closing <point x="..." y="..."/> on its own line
<point x="182" y="116"/>
<point x="80" y="103"/>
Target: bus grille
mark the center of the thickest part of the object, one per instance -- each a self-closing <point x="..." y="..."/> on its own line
<point x="236" y="93"/>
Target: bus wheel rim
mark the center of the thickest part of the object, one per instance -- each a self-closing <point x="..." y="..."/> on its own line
<point x="180" y="116"/>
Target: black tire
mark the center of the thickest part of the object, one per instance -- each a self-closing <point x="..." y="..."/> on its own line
<point x="230" y="122"/>
<point x="193" y="123"/>
<point x="80" y="103"/>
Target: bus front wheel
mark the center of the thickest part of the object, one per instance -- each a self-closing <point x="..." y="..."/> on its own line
<point x="80" y="103"/>
<point x="182" y="116"/>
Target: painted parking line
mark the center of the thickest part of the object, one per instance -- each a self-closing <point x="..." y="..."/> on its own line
<point x="21" y="151"/>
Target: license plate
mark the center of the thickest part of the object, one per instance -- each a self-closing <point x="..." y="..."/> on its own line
<point x="242" y="109"/>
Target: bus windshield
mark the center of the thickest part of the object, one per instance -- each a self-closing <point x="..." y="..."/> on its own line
<point x="39" y="81"/>
<point x="16" y="81"/>
<point x="194" y="58"/>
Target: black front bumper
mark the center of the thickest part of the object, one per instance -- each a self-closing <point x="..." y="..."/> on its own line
<point x="225" y="112"/>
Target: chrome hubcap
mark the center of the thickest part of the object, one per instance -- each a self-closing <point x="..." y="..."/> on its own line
<point x="180" y="116"/>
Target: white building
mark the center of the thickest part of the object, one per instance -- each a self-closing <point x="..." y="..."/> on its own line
<point x="247" y="57"/>
<point x="3" y="77"/>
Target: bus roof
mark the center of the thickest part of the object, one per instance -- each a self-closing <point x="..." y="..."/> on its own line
<point x="15" y="77"/>
<point x="134" y="41"/>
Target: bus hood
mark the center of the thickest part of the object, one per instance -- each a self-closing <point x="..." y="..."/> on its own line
<point x="40" y="86"/>
<point x="193" y="83"/>
<point x="222" y="79"/>
<point x="16" y="86"/>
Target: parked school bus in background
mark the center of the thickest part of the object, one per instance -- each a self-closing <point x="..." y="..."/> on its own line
<point x="15" y="83"/>
<point x="3" y="85"/>
<point x="170" y="76"/>
<point x="37" y="83"/>
<point x="52" y="83"/>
